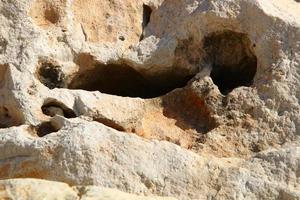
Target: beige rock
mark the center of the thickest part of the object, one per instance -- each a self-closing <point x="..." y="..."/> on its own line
<point x="98" y="193"/>
<point x="109" y="21"/>
<point x="35" y="189"/>
<point x="192" y="99"/>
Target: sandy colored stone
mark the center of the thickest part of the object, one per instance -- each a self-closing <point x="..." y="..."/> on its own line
<point x="109" y="21"/>
<point x="36" y="189"/>
<point x="48" y="13"/>
<point x="192" y="99"/>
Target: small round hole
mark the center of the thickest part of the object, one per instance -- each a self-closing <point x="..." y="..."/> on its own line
<point x="122" y="38"/>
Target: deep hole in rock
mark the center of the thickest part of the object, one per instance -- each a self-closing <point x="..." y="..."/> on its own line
<point x="233" y="62"/>
<point x="115" y="79"/>
<point x="147" y="11"/>
<point x="123" y="80"/>
<point x="53" y="108"/>
<point x="45" y="128"/>
<point x="51" y="75"/>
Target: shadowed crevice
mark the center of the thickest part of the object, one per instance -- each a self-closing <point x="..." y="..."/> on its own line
<point x="147" y="11"/>
<point x="53" y="108"/>
<point x="233" y="62"/>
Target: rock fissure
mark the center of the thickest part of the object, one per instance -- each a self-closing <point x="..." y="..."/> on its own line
<point x="147" y="11"/>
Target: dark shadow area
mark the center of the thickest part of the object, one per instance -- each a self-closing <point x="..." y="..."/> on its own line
<point x="122" y="80"/>
<point x="233" y="61"/>
<point x="147" y="11"/>
<point x="3" y="46"/>
<point x="53" y="108"/>
<point x="110" y="123"/>
<point x="51" y="75"/>
<point x="3" y="74"/>
<point x="189" y="111"/>
<point x="52" y="15"/>
<point x="115" y="79"/>
<point x="45" y="128"/>
<point x="5" y="117"/>
<point x="10" y="117"/>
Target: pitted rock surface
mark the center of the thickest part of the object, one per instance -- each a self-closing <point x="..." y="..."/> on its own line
<point x="188" y="99"/>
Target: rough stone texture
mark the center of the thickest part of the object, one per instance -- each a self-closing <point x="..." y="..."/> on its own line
<point x="192" y="99"/>
<point x="37" y="189"/>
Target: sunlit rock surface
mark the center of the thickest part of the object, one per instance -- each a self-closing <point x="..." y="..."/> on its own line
<point x="188" y="99"/>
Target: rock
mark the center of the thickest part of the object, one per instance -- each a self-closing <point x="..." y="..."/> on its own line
<point x="142" y="167"/>
<point x="192" y="99"/>
<point x="39" y="189"/>
<point x="35" y="189"/>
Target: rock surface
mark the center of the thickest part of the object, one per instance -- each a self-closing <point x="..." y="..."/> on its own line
<point x="47" y="190"/>
<point x="191" y="99"/>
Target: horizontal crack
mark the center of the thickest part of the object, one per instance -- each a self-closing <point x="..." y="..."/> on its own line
<point x="110" y="123"/>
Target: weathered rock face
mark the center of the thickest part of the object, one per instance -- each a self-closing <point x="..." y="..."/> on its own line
<point x="38" y="189"/>
<point x="192" y="99"/>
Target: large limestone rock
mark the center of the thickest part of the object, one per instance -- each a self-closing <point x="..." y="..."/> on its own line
<point x="191" y="99"/>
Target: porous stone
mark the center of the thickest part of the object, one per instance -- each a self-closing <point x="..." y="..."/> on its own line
<point x="39" y="189"/>
<point x="191" y="99"/>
